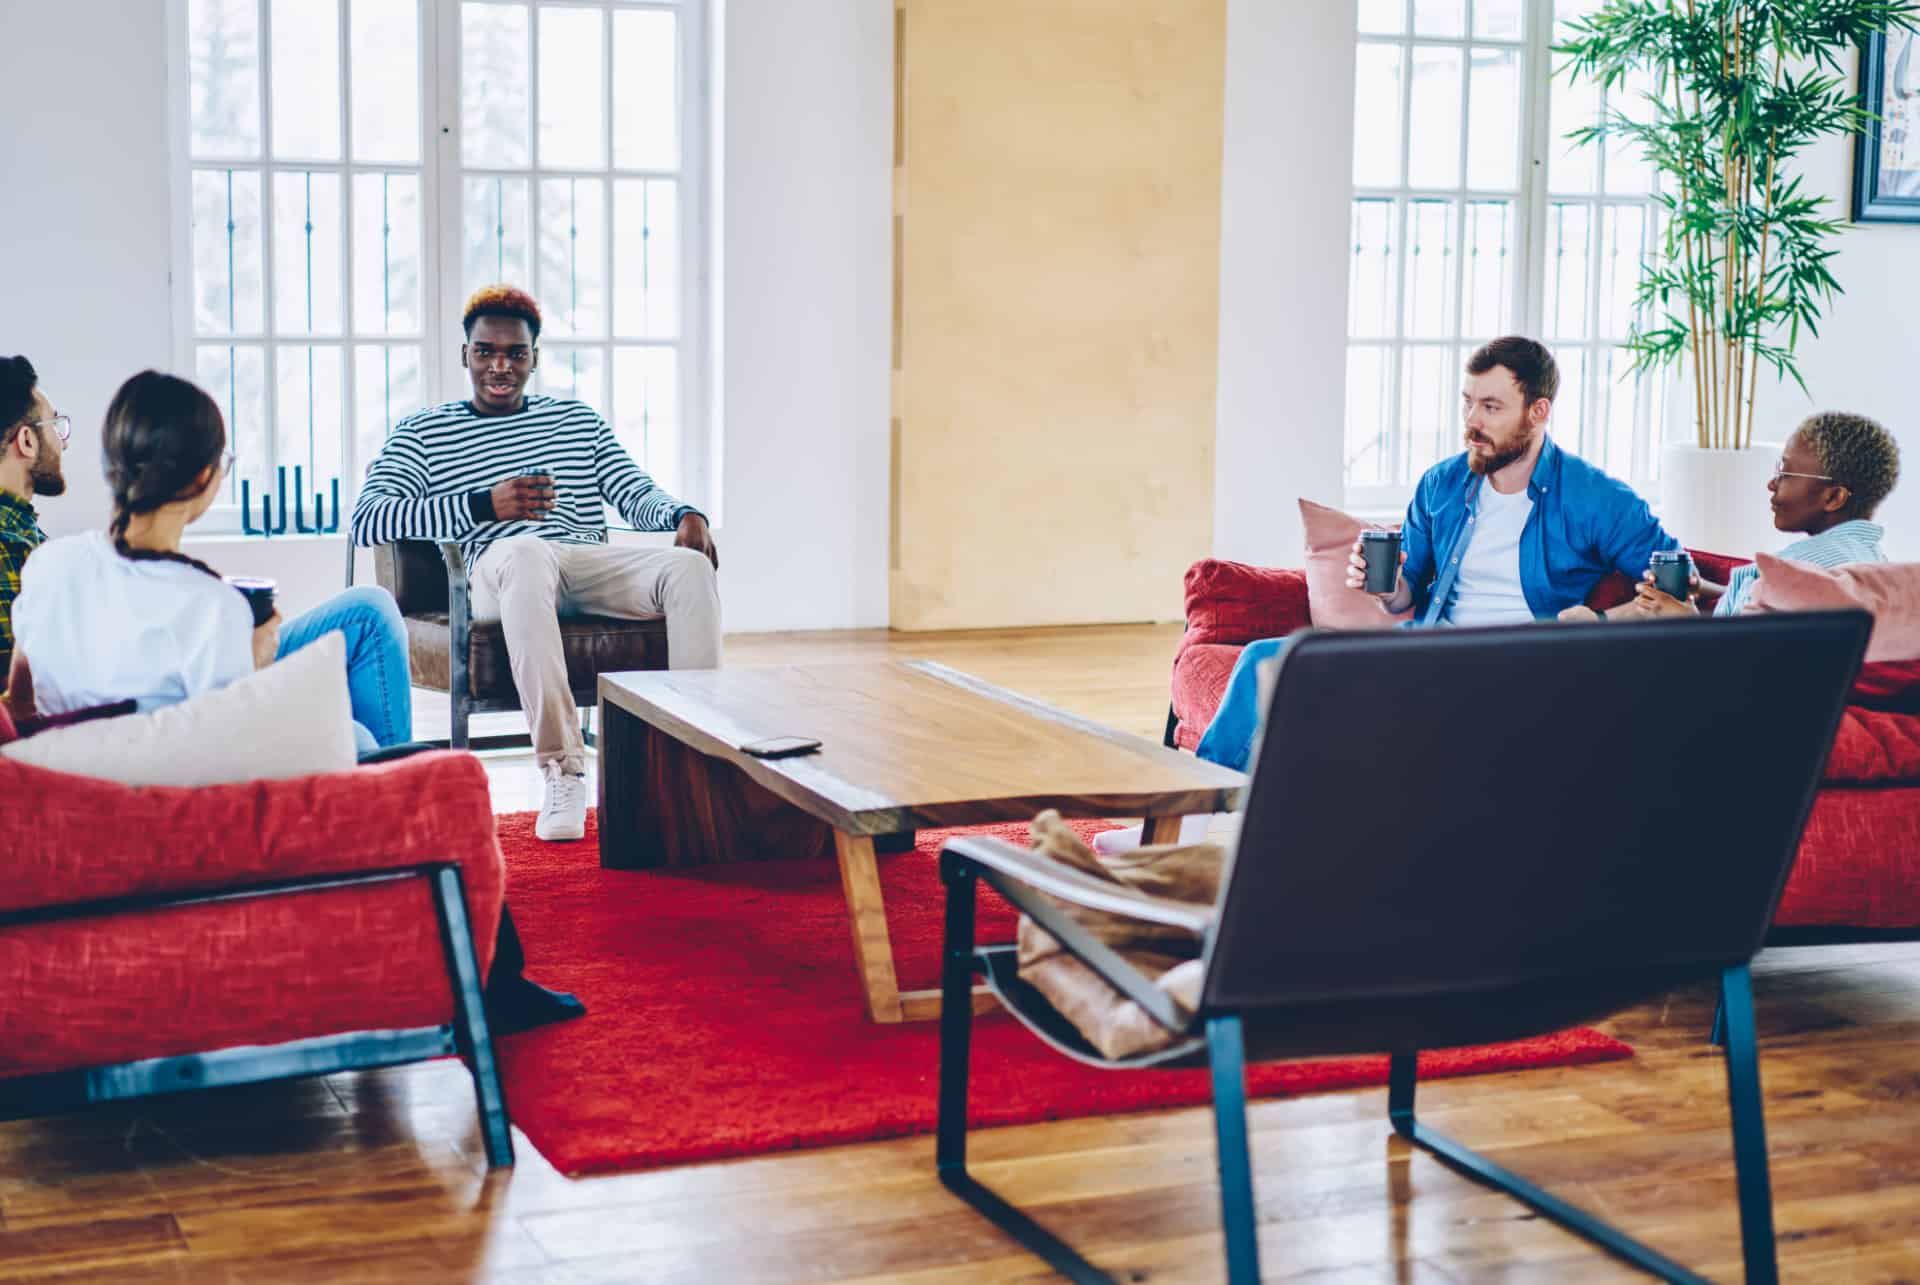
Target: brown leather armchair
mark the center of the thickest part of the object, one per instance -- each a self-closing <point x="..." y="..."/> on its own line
<point x="451" y="652"/>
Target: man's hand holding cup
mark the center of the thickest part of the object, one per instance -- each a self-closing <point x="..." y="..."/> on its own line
<point x="528" y="497"/>
<point x="1373" y="567"/>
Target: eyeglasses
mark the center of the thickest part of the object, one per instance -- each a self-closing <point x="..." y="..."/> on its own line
<point x="226" y="464"/>
<point x="1781" y="470"/>
<point x="61" y="424"/>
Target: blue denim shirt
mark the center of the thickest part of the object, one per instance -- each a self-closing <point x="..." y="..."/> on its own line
<point x="1583" y="525"/>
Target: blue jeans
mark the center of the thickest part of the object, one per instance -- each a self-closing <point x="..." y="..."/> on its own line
<point x="379" y="684"/>
<point x="1229" y="737"/>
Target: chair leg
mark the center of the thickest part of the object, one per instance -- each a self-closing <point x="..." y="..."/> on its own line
<point x="457" y="737"/>
<point x="950" y="1139"/>
<point x="1173" y="726"/>
<point x="1400" y="1087"/>
<point x="1749" y="1126"/>
<point x="1227" y="1057"/>
<point x="470" y="1032"/>
<point x="1718" y="1035"/>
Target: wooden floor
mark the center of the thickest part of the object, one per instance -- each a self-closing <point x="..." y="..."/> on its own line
<point x="378" y="1177"/>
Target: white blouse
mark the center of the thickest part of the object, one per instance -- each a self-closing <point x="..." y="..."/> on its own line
<point x="97" y="627"/>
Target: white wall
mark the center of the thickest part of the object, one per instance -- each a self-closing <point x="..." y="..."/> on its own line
<point x="84" y="226"/>
<point x="1284" y="222"/>
<point x="805" y="236"/>
<point x="1867" y="356"/>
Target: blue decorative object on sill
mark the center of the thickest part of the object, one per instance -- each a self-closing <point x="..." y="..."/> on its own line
<point x="322" y="524"/>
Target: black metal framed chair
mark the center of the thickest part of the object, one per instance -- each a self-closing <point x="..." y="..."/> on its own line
<point x="1459" y="837"/>
<point x="449" y="651"/>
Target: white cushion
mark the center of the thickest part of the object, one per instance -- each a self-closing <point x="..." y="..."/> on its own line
<point x="291" y="719"/>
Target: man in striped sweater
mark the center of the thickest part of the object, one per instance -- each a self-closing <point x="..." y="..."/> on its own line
<point x="537" y="544"/>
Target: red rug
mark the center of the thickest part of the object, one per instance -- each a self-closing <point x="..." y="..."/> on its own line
<point x="724" y="1018"/>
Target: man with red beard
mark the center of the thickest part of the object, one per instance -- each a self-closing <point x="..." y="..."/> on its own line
<point x="1512" y="529"/>
<point x="32" y="440"/>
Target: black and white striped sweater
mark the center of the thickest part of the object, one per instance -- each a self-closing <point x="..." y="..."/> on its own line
<point x="421" y="486"/>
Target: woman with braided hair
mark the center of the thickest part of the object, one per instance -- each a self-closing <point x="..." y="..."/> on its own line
<point x="125" y="615"/>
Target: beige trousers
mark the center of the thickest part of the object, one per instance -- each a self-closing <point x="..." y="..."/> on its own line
<point x="527" y="583"/>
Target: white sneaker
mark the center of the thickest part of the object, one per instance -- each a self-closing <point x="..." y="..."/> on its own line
<point x="563" y="813"/>
<point x="1193" y="829"/>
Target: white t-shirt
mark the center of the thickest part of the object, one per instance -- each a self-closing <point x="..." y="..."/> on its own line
<point x="97" y="628"/>
<point x="1488" y="590"/>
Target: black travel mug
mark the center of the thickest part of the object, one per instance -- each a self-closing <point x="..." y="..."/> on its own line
<point x="1672" y="572"/>
<point x="258" y="591"/>
<point x="1381" y="549"/>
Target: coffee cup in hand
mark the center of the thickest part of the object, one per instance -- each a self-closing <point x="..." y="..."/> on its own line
<point x="1672" y="572"/>
<point x="259" y="593"/>
<point x="1381" y="549"/>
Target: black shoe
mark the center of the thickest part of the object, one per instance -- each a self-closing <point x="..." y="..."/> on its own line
<point x="517" y="1004"/>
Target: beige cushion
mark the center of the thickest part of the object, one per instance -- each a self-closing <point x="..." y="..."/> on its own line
<point x="290" y="719"/>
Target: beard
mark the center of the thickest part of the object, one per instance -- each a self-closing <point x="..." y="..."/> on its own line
<point x="46" y="475"/>
<point x="1504" y="453"/>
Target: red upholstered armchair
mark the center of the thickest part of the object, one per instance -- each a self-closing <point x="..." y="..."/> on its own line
<point x="153" y="940"/>
<point x="1857" y="877"/>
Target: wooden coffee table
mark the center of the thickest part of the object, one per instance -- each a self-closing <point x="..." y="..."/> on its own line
<point x="905" y="746"/>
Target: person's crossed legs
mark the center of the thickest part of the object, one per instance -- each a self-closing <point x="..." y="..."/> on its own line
<point x="527" y="583"/>
<point x="379" y="683"/>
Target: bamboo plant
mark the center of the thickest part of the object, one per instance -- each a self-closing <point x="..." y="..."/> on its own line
<point x="1740" y="88"/>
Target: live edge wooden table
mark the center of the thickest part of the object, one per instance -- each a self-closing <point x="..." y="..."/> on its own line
<point x="905" y="746"/>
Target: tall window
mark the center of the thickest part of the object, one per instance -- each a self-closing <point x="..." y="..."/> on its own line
<point x="1473" y="217"/>
<point x="357" y="167"/>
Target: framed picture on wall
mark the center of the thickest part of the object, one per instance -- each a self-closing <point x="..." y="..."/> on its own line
<point x="1886" y="158"/>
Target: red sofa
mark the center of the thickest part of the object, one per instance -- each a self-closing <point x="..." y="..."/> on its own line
<point x="153" y="940"/>
<point x="1858" y="873"/>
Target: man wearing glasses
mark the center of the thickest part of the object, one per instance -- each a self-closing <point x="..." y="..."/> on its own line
<point x="521" y="481"/>
<point x="31" y="446"/>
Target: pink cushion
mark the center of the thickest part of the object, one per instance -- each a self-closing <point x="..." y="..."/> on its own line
<point x="1890" y="590"/>
<point x="1330" y="535"/>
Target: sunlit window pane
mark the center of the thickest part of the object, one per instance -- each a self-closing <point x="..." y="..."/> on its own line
<point x="223" y="75"/>
<point x="646" y="89"/>
<point x="306" y="79"/>
<point x="1623" y="249"/>
<point x="1383" y="17"/>
<point x="646" y="258"/>
<point x="307" y="249"/>
<point x="1373" y="281"/>
<point x="1430" y="269"/>
<point x="1439" y="17"/>
<point x="573" y="257"/>
<point x="235" y="375"/>
<point x="1433" y="148"/>
<point x="1567" y="266"/>
<point x="1572" y="169"/>
<point x="1628" y="173"/>
<point x="1493" y="142"/>
<point x="1376" y="115"/>
<point x="386" y="81"/>
<point x="386" y="389"/>
<point x="227" y="268"/>
<point x="494" y="78"/>
<point x="310" y="419"/>
<point x="1570" y="407"/>
<point x="387" y="258"/>
<point x="574" y="372"/>
<point x="1430" y="412"/>
<point x="646" y="400"/>
<point x="494" y="241"/>
<point x="1487" y="290"/>
<point x="1500" y="19"/>
<point x="573" y="82"/>
<point x="1368" y="449"/>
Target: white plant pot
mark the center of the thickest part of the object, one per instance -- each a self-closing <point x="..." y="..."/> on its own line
<point x="1716" y="500"/>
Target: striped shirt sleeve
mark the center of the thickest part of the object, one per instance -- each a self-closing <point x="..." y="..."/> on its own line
<point x="394" y="503"/>
<point x="644" y="503"/>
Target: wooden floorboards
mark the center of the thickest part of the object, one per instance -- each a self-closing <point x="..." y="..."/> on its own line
<point x="379" y="1176"/>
